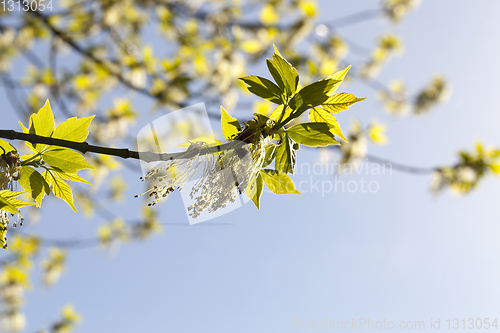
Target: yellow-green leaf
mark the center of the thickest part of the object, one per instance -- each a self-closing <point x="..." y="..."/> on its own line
<point x="340" y="75"/>
<point x="10" y="196"/>
<point x="495" y="168"/>
<point x="28" y="144"/>
<point x="6" y="147"/>
<point x="42" y="123"/>
<point x="62" y="190"/>
<point x="319" y="115"/>
<point x="278" y="182"/>
<point x="286" y="156"/>
<point x="70" y="176"/>
<point x="7" y="206"/>
<point x="10" y="203"/>
<point x="270" y="155"/>
<point x="25" y="130"/>
<point x="264" y="88"/>
<point x="340" y="102"/>
<point x="230" y="126"/>
<point x="66" y="160"/>
<point x="73" y="129"/>
<point x="47" y="177"/>
<point x="312" y="95"/>
<point x="276" y="115"/>
<point x="254" y="189"/>
<point x="34" y="183"/>
<point x="312" y="134"/>
<point x="284" y="74"/>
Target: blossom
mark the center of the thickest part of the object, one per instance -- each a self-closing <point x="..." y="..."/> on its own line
<point x="225" y="174"/>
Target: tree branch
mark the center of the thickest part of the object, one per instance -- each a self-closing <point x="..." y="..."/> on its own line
<point x="125" y="153"/>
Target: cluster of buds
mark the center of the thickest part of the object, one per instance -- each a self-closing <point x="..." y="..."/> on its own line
<point x="436" y="92"/>
<point x="355" y="150"/>
<point x="388" y="44"/>
<point x="53" y="266"/>
<point x="329" y="53"/>
<point x="68" y="321"/>
<point x="395" y="99"/>
<point x="10" y="169"/>
<point x="466" y="174"/>
<point x="13" y="282"/>
<point x="118" y="231"/>
<point x="397" y="9"/>
<point x="397" y="102"/>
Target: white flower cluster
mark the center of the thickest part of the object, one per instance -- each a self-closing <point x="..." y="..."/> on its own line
<point x="225" y="175"/>
<point x="10" y="169"/>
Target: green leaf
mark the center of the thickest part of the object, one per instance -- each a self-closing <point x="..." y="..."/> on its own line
<point x="28" y="144"/>
<point x="73" y="129"/>
<point x="286" y="156"/>
<point x="62" y="190"/>
<point x="310" y="96"/>
<point x="338" y="76"/>
<point x="34" y="183"/>
<point x="10" y="203"/>
<point x="70" y="176"/>
<point x="278" y="182"/>
<point x="7" y="147"/>
<point x="270" y="155"/>
<point x="7" y="206"/>
<point x="230" y="126"/>
<point x="66" y="160"/>
<point x="264" y="88"/>
<point x="285" y="75"/>
<point x="25" y="130"/>
<point x="42" y="123"/>
<point x="47" y="177"/>
<point x="10" y="196"/>
<point x="340" y="102"/>
<point x="312" y="134"/>
<point x="319" y="115"/>
<point x="276" y="115"/>
<point x="254" y="189"/>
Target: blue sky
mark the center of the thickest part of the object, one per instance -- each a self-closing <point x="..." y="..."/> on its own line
<point x="399" y="254"/>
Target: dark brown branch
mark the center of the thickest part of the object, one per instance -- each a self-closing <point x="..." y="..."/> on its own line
<point x="85" y="147"/>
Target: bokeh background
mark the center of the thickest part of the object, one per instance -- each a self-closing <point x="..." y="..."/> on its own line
<point x="400" y="254"/>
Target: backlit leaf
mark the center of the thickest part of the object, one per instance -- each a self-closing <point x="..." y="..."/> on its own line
<point x="73" y="129"/>
<point x="6" y="147"/>
<point x="284" y="74"/>
<point x="278" y="182"/>
<point x="33" y="182"/>
<point x="312" y="134"/>
<point x="319" y="115"/>
<point x="230" y="126"/>
<point x="42" y="123"/>
<point x="254" y="189"/>
<point x="286" y="156"/>
<point x="264" y="88"/>
<point x="310" y="96"/>
<point x="340" y="102"/>
<point x="66" y="160"/>
<point x="62" y="190"/>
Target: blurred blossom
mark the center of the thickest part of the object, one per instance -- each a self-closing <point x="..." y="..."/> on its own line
<point x="398" y="9"/>
<point x="438" y="91"/>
